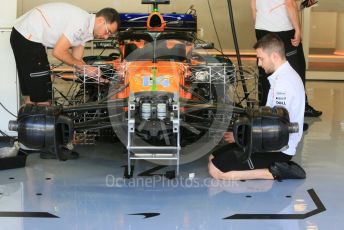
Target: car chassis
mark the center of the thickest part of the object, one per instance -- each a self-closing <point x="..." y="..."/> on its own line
<point x="164" y="99"/>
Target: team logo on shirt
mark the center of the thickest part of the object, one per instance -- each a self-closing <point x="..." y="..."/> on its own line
<point x="280" y="98"/>
<point x="78" y="36"/>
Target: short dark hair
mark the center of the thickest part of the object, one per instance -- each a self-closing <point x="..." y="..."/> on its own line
<point x="110" y="15"/>
<point x="271" y="43"/>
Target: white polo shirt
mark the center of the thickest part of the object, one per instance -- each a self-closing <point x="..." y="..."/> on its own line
<point x="272" y="15"/>
<point x="287" y="90"/>
<point x="46" y="23"/>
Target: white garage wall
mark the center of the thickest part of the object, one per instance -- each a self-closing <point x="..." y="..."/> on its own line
<point x="323" y="29"/>
<point x="323" y="22"/>
<point x="9" y="92"/>
<point x="241" y="8"/>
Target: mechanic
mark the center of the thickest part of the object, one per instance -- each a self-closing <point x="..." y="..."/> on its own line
<point x="281" y="17"/>
<point x="286" y="90"/>
<point x="60" y="26"/>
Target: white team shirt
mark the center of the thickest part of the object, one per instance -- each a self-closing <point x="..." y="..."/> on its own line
<point x="287" y="90"/>
<point x="272" y="15"/>
<point x="46" y="23"/>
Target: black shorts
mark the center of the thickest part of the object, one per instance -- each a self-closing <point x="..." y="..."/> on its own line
<point x="226" y="160"/>
<point x="33" y="68"/>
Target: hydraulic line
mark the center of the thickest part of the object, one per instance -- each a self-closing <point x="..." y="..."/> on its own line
<point x="235" y="40"/>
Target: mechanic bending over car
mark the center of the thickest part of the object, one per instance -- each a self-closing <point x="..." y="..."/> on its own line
<point x="60" y="26"/>
<point x="286" y="90"/>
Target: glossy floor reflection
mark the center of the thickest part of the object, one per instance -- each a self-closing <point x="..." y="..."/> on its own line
<point x="91" y="193"/>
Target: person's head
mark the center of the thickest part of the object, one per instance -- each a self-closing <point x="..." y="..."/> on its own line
<point x="270" y="52"/>
<point x="106" y="23"/>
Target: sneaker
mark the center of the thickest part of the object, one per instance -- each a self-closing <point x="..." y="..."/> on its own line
<point x="307" y="3"/>
<point x="47" y="155"/>
<point x="305" y="127"/>
<point x="311" y="112"/>
<point x="72" y="155"/>
<point x="67" y="154"/>
<point x="287" y="170"/>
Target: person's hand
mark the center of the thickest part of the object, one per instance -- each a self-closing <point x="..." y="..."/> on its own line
<point x="229" y="137"/>
<point x="297" y="39"/>
<point x="86" y="71"/>
<point x="91" y="72"/>
<point x="96" y="73"/>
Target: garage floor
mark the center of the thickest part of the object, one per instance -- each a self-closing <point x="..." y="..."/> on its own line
<point x="91" y="192"/>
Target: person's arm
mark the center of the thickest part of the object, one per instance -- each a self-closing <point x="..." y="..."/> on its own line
<point x="293" y="14"/>
<point x="253" y="10"/>
<point x="61" y="52"/>
<point x="74" y="58"/>
<point x="78" y="52"/>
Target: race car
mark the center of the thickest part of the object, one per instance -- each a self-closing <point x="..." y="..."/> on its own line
<point x="165" y="100"/>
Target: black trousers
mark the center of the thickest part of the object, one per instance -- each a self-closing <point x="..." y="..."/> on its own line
<point x="225" y="159"/>
<point x="295" y="57"/>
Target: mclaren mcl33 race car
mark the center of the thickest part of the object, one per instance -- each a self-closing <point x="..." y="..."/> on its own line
<point x="165" y="100"/>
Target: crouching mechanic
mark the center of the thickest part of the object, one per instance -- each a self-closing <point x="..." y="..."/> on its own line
<point x="286" y="89"/>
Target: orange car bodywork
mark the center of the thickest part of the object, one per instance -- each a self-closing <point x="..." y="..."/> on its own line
<point x="158" y="75"/>
<point x="148" y="76"/>
<point x="145" y="76"/>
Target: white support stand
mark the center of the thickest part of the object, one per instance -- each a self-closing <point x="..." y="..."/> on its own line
<point x="137" y="152"/>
